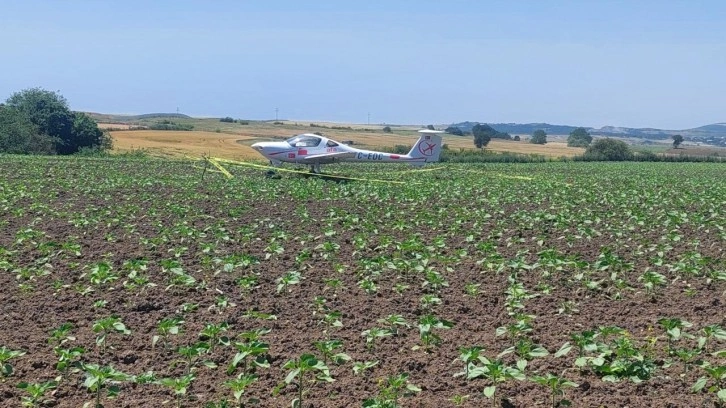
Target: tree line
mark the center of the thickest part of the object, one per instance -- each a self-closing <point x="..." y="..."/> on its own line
<point x="37" y="121"/>
<point x="605" y="149"/>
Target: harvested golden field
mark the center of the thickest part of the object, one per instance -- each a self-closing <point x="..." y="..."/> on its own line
<point x="121" y="126"/>
<point x="181" y="143"/>
<point x="690" y="150"/>
<point x="235" y="144"/>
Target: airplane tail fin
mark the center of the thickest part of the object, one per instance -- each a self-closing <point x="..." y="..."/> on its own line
<point x="428" y="147"/>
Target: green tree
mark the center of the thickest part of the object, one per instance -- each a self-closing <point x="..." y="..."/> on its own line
<point x="483" y="134"/>
<point x="386" y="129"/>
<point x="430" y="127"/>
<point x="579" y="137"/>
<point x="453" y="130"/>
<point x="49" y="113"/>
<point x="86" y="134"/>
<point x="677" y="140"/>
<point x="18" y="135"/>
<point x="609" y="149"/>
<point x="539" y="137"/>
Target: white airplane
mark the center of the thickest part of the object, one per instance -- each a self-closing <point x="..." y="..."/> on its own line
<point x="315" y="150"/>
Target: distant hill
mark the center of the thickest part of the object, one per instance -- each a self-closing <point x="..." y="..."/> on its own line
<point x="110" y="118"/>
<point x="519" y="128"/>
<point x="711" y="134"/>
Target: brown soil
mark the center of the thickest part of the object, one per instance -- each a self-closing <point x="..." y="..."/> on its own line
<point x="117" y="220"/>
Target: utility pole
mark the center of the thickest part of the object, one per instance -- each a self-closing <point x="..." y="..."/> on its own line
<point x="276" y="113"/>
<point x="369" y="118"/>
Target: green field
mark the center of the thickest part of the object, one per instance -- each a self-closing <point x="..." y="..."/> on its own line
<point x="143" y="282"/>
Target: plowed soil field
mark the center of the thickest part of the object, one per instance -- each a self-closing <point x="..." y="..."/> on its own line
<point x="610" y="278"/>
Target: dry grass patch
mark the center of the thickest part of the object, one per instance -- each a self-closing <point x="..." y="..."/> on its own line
<point x="180" y="144"/>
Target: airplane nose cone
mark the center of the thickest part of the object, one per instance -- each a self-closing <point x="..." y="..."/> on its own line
<point x="257" y="146"/>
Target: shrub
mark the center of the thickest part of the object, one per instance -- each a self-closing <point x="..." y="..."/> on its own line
<point x="609" y="150"/>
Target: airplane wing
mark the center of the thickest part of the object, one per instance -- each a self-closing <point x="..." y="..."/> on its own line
<point x="324" y="157"/>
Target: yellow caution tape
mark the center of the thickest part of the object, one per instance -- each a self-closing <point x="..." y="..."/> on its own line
<point x="259" y="166"/>
<point x="219" y="167"/>
<point x="209" y="170"/>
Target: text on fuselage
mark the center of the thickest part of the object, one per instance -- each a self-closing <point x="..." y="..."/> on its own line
<point x="370" y="156"/>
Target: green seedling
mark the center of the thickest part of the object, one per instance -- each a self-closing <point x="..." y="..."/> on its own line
<point x="568" y="307"/>
<point x="394" y="321"/>
<point x="212" y="334"/>
<point x="469" y="355"/>
<point x="717" y="378"/>
<point x="687" y="356"/>
<point x="556" y="385"/>
<point x="319" y="304"/>
<point x="103" y="378"/>
<point x="221" y="303"/>
<point x="434" y="281"/>
<point x="67" y="358"/>
<point x="332" y="319"/>
<point x="248" y="283"/>
<point x="525" y="349"/>
<point x="711" y="332"/>
<point x="327" y="349"/>
<point x="239" y="386"/>
<point x="5" y="356"/>
<point x="394" y="388"/>
<point x="187" y="308"/>
<point x="333" y="284"/>
<point x="107" y="326"/>
<point x="652" y="281"/>
<point x="618" y="360"/>
<point x="373" y="334"/>
<point x="255" y="334"/>
<point x="673" y="328"/>
<point x="146" y="378"/>
<point x="256" y="314"/>
<point x="192" y="354"/>
<point x="368" y="285"/>
<point x="36" y="391"/>
<point x="290" y="278"/>
<point x="179" y="386"/>
<point x="61" y="334"/>
<point x="471" y="289"/>
<point x="306" y="368"/>
<point x="167" y="327"/>
<point x="400" y="288"/>
<point x="100" y="304"/>
<point x="426" y="325"/>
<point x="428" y="301"/>
<point x="101" y="273"/>
<point x="584" y="342"/>
<point x="252" y="349"/>
<point x="458" y="400"/>
<point x="362" y="366"/>
<point x="496" y="372"/>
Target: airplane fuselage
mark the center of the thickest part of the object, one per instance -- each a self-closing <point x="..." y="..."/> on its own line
<point x="315" y="150"/>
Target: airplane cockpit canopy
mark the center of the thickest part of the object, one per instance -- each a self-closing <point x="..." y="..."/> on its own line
<point x="304" y="141"/>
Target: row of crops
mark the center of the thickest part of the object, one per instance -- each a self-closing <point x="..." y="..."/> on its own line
<point x="146" y="282"/>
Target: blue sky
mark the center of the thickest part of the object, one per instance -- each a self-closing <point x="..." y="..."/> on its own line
<point x="636" y="63"/>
